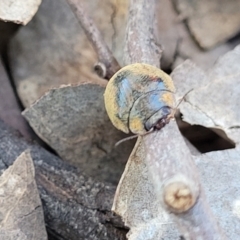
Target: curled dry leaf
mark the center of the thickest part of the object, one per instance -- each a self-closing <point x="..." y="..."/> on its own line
<point x="73" y="121"/>
<point x="210" y="22"/>
<point x="215" y="100"/>
<point x="136" y="199"/>
<point x="21" y="209"/>
<point x="18" y="11"/>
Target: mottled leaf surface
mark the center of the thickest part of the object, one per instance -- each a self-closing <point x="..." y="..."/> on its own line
<point x="21" y="214"/>
<point x="74" y="122"/>
<point x="215" y="99"/>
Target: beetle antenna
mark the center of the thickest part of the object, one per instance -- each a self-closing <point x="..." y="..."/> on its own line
<point x="183" y="97"/>
<point x="125" y="139"/>
<point x="132" y="137"/>
<point x="180" y="101"/>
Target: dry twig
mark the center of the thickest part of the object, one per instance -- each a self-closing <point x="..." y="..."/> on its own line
<point x="107" y="64"/>
<point x="169" y="161"/>
<point x="140" y="45"/>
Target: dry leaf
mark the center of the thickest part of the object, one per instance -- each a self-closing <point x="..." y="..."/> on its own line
<point x="18" y="11"/>
<point x="178" y="43"/>
<point x="215" y="100"/>
<point x="136" y="202"/>
<point x="73" y="121"/>
<point x="210" y="22"/>
<point x="21" y="210"/>
<point x="220" y="176"/>
<point x="62" y="53"/>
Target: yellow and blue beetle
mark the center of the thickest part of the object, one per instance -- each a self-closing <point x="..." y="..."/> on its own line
<point x="140" y="98"/>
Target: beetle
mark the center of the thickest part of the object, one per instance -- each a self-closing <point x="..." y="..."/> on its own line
<point x="139" y="98"/>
